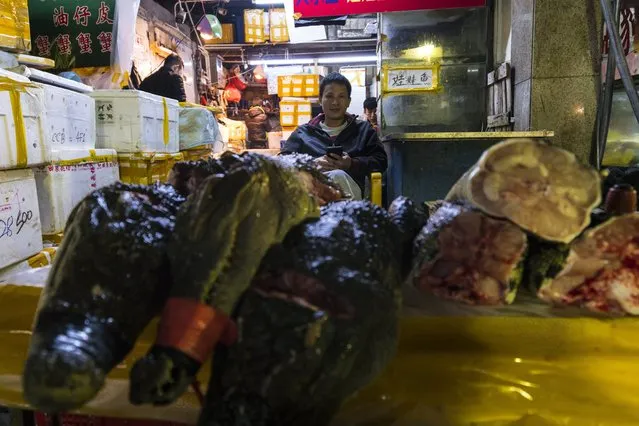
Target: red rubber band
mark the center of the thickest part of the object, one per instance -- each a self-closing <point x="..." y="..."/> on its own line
<point x="194" y="328"/>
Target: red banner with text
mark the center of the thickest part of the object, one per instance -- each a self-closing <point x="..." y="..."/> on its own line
<point x="320" y="8"/>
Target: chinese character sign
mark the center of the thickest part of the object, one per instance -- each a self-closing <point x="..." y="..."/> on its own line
<point x="319" y="8"/>
<point x="75" y="34"/>
<point x="411" y="79"/>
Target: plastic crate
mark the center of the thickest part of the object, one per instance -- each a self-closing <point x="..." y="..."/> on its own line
<point x="298" y="85"/>
<point x="294" y="113"/>
<point x="42" y="419"/>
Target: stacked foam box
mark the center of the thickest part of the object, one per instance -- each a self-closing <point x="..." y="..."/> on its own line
<point x="50" y="132"/>
<point x="278" y="29"/>
<point x="199" y="128"/>
<point x="234" y="134"/>
<point x="68" y="179"/>
<point x="22" y="123"/>
<point x="74" y="168"/>
<point x="294" y="112"/>
<point x="296" y="92"/>
<point x="143" y="129"/>
<point x="298" y="85"/>
<point x="228" y="35"/>
<point x="254" y="26"/>
<point x="146" y="168"/>
<point x="15" y="32"/>
<point x="39" y="260"/>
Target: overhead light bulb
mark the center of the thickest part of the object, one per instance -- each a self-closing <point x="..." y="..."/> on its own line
<point x="267" y="2"/>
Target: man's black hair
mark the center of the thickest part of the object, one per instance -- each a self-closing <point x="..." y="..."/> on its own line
<point x="173" y="60"/>
<point x="335" y="78"/>
<point x="370" y="104"/>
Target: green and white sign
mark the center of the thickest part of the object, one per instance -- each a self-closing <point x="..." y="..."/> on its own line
<point x="75" y="33"/>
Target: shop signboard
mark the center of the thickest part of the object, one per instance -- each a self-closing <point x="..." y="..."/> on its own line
<point x="320" y="8"/>
<point x="75" y="33"/>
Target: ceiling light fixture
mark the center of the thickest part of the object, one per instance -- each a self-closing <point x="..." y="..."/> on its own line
<point x="209" y="27"/>
<point x="325" y="60"/>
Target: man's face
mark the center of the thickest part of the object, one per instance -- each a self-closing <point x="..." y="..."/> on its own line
<point x="335" y="101"/>
<point x="371" y="114"/>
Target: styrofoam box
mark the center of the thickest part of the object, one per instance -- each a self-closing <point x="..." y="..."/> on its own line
<point x="54" y="118"/>
<point x="32" y="105"/>
<point x="20" y="231"/>
<point x="70" y="119"/>
<point x="133" y="121"/>
<point x="62" y="186"/>
<point x="198" y="127"/>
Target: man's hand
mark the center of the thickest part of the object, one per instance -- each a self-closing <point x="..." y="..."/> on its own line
<point x="339" y="163"/>
<point x="325" y="164"/>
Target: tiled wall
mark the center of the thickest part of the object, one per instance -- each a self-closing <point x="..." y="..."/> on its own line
<point x="556" y="57"/>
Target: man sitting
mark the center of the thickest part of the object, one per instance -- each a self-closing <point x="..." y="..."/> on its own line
<point x="363" y="152"/>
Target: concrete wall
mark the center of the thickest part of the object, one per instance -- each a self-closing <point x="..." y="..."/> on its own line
<point x="556" y="63"/>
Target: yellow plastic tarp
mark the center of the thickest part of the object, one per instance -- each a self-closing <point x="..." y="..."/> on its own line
<point x="465" y="371"/>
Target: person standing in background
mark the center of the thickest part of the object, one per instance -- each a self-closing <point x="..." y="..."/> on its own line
<point x="167" y="81"/>
<point x="257" y="125"/>
<point x="370" y="112"/>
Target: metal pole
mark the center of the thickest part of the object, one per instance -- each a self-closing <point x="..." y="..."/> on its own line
<point x="603" y="116"/>
<point x="622" y="65"/>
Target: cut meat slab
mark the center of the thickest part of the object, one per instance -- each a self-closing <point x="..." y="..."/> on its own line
<point x="541" y="188"/>
<point x="467" y="256"/>
<point x="602" y="270"/>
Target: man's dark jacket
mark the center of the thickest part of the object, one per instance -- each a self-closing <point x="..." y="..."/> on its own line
<point x="358" y="139"/>
<point x="163" y="83"/>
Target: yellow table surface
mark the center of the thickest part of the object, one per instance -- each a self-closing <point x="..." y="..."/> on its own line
<point x="470" y="371"/>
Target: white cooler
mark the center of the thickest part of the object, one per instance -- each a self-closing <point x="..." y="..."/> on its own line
<point x="70" y="119"/>
<point x="20" y="231"/>
<point x="38" y="118"/>
<point x="21" y="122"/>
<point x="135" y="121"/>
<point x="68" y="179"/>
